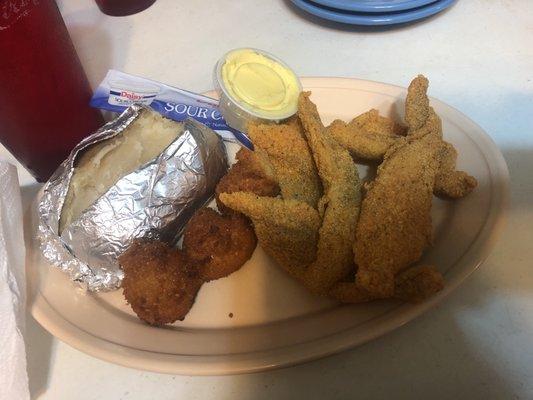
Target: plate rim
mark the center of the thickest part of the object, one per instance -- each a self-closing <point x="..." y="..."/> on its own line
<point x="251" y="362"/>
<point x="378" y="19"/>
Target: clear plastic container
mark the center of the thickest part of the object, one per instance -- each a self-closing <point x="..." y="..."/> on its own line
<point x="237" y="112"/>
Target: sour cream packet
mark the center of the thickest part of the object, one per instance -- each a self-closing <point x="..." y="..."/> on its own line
<point x="119" y="90"/>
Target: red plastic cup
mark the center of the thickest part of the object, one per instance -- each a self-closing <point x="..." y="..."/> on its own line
<point x="44" y="92"/>
<point x="120" y="8"/>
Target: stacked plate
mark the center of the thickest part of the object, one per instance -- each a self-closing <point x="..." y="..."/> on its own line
<point x="373" y="12"/>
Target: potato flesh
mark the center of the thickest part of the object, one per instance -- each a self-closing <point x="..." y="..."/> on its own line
<point x="100" y="167"/>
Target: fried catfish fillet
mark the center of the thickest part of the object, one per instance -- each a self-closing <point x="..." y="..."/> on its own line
<point x="395" y="221"/>
<point x="251" y="173"/>
<point x="339" y="205"/>
<point x="413" y="285"/>
<point x="286" y="229"/>
<point x="421" y="119"/>
<point x="450" y="183"/>
<point x="313" y="246"/>
<point x="290" y="158"/>
<point x="367" y="136"/>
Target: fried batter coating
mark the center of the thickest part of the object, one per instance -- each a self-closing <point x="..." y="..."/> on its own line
<point x="287" y="229"/>
<point x="252" y="173"/>
<point x="413" y="285"/>
<point x="257" y="162"/>
<point x="395" y="222"/>
<point x="433" y="126"/>
<point x="339" y="206"/>
<point x="450" y="183"/>
<point x="159" y="283"/>
<point x="218" y="244"/>
<point x="418" y="283"/>
<point x="367" y="136"/>
<point x="291" y="159"/>
<point x="417" y="108"/>
<point x="317" y="246"/>
<point x="372" y="122"/>
<point x="370" y="135"/>
<point x="421" y="119"/>
<point x="364" y="145"/>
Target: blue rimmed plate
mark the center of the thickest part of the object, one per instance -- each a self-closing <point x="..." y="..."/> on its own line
<point x="373" y="5"/>
<point x="387" y="18"/>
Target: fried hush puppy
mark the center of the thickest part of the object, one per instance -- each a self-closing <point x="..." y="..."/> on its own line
<point x="218" y="244"/>
<point x="257" y="163"/>
<point x="159" y="282"/>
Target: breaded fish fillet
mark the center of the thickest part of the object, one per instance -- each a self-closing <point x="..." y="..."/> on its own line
<point x="367" y="136"/>
<point x="291" y="159"/>
<point x="414" y="285"/>
<point x="395" y="222"/>
<point x="450" y="183"/>
<point x="339" y="206"/>
<point x="417" y="108"/>
<point x="286" y="229"/>
<point x="252" y="173"/>
<point x="315" y="247"/>
<point x="421" y="119"/>
<point x="372" y="122"/>
<point x="257" y="163"/>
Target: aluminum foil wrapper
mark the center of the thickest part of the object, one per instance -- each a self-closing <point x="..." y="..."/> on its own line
<point x="155" y="201"/>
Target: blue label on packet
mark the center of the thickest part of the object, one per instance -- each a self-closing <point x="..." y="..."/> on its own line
<point x="119" y="90"/>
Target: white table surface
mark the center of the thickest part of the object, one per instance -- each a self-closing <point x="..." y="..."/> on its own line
<point x="479" y="58"/>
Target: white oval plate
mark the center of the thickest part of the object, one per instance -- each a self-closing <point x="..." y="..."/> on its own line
<point x="275" y="321"/>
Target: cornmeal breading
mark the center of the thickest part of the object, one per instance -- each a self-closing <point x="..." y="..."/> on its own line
<point x="291" y="159"/>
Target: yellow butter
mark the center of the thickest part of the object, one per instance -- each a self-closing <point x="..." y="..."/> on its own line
<point x="260" y="84"/>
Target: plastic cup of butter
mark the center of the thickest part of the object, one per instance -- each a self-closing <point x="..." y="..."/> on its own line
<point x="254" y="85"/>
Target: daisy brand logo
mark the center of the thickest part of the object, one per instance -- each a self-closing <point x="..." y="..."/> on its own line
<point x="125" y="93"/>
<point x="127" y="98"/>
<point x="13" y="10"/>
<point x="131" y="95"/>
